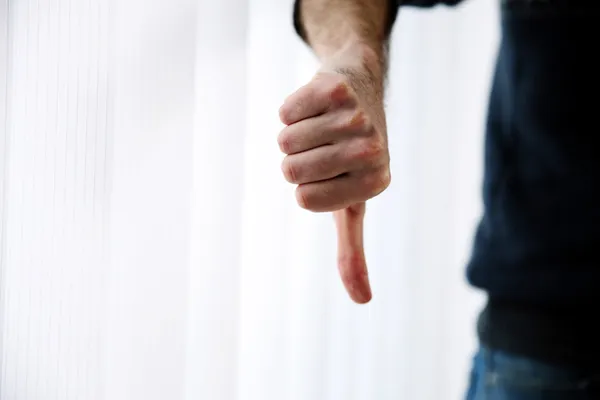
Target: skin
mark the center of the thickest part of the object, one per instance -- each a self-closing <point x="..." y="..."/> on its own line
<point x="335" y="139"/>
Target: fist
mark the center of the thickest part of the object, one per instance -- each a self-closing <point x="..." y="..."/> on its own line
<point x="335" y="142"/>
<point x="336" y="152"/>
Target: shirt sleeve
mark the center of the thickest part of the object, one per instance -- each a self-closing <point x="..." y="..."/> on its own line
<point x="393" y="6"/>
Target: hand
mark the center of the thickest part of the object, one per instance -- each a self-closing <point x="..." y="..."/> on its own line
<point x="337" y="154"/>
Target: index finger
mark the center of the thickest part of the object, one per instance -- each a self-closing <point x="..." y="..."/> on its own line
<point x="322" y="93"/>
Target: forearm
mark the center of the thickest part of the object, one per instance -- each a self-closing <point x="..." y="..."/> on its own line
<point x="355" y="31"/>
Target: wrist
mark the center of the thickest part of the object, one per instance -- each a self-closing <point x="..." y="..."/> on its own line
<point x="360" y="58"/>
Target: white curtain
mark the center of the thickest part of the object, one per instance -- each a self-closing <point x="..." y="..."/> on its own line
<point x="150" y="248"/>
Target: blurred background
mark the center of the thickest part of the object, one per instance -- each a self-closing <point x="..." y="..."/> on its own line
<point x="150" y="247"/>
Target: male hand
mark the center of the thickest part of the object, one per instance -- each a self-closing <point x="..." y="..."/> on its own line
<point x="337" y="154"/>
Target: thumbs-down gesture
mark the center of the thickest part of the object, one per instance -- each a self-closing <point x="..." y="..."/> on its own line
<point x="335" y="142"/>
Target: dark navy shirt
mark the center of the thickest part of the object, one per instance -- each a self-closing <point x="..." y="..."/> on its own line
<point x="539" y="238"/>
<point x="537" y="248"/>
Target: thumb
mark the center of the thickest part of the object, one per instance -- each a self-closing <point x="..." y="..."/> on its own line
<point x="351" y="255"/>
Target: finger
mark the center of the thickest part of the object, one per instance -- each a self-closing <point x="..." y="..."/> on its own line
<point x="324" y="129"/>
<point x="351" y="255"/>
<point x="319" y="164"/>
<point x="329" y="195"/>
<point x="341" y="191"/>
<point x="324" y="92"/>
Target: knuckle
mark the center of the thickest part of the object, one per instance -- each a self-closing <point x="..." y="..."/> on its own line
<point x="310" y="91"/>
<point x="297" y="107"/>
<point x="385" y="180"/>
<point x="340" y="91"/>
<point x="367" y="182"/>
<point x="302" y="199"/>
<point x="371" y="150"/>
<point x="284" y="142"/>
<point x="360" y="120"/>
<point x="307" y="93"/>
<point x="289" y="171"/>
<point x="284" y="114"/>
<point x="375" y="183"/>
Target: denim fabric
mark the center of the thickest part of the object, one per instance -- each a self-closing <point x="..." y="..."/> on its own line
<point x="497" y="375"/>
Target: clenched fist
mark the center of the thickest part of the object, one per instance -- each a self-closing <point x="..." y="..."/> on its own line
<point x="335" y="143"/>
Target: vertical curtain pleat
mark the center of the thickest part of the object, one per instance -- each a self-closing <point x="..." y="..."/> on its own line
<point x="4" y="154"/>
<point x="153" y="67"/>
<point x="218" y="195"/>
<point x="55" y="199"/>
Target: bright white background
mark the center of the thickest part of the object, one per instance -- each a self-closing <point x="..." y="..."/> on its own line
<point x="150" y="248"/>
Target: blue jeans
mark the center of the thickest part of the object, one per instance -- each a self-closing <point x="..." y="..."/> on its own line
<point x="500" y="376"/>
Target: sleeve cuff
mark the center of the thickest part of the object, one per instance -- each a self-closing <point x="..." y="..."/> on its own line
<point x="393" y="6"/>
<point x="298" y="21"/>
<point x="426" y="3"/>
<point x="392" y="14"/>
